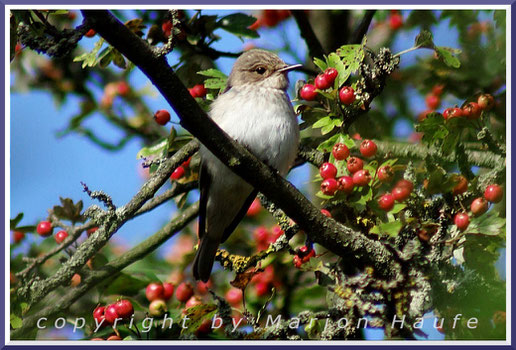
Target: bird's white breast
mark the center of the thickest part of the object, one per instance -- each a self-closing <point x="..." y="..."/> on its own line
<point x="263" y="120"/>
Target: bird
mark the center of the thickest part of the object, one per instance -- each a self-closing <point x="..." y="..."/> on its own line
<point x="255" y="110"/>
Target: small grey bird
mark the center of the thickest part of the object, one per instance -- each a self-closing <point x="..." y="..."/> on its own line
<point x="255" y="110"/>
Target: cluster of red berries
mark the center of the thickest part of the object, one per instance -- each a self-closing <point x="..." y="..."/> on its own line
<point x="198" y="91"/>
<point x="263" y="237"/>
<point x="325" y="81"/>
<point x="471" y="110"/>
<point x="122" y="310"/>
<point x="304" y="254"/>
<point x="358" y="176"/>
<point x="400" y="192"/>
<point x="493" y="194"/>
<point x="270" y="18"/>
<point x="179" y="172"/>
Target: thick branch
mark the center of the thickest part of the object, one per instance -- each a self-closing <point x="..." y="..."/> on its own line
<point x="327" y="232"/>
<point x="315" y="48"/>
<point x="362" y="28"/>
<point x="109" y="270"/>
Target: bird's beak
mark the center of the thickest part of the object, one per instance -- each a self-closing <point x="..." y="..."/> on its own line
<point x="289" y="68"/>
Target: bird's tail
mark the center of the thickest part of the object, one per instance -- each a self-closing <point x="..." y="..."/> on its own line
<point x="204" y="258"/>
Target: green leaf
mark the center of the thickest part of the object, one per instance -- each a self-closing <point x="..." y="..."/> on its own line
<point x="323" y="196"/>
<point x="320" y="63"/>
<point x="212" y="72"/>
<point x="90" y="58"/>
<point x="327" y="129"/>
<point x="352" y="56"/>
<point x="196" y="316"/>
<point x="397" y="208"/>
<point x="325" y="121"/>
<point x="68" y="210"/>
<point x="334" y="61"/>
<point x="447" y="55"/>
<point x="118" y="59"/>
<point x="388" y="228"/>
<point x="218" y="84"/>
<point x="424" y="39"/>
<point x="238" y="23"/>
<point x="125" y="285"/>
<point x="154" y="150"/>
<point x="16" y="322"/>
<point x="488" y="224"/>
<point x="433" y="128"/>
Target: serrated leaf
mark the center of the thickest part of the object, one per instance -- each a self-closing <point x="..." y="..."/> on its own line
<point x="352" y="56"/>
<point x="325" y="121"/>
<point x="433" y="128"/>
<point x="424" y="39"/>
<point x="90" y="58"/>
<point x="447" y="55"/>
<point x="334" y="61"/>
<point x="212" y="72"/>
<point x="488" y="224"/>
<point x="320" y="63"/>
<point x="391" y="229"/>
<point x="154" y="150"/>
<point x="238" y="23"/>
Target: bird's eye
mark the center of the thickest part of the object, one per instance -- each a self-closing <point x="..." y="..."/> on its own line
<point x="260" y="70"/>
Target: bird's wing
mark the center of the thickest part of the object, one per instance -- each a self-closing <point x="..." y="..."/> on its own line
<point x="239" y="216"/>
<point x="204" y="185"/>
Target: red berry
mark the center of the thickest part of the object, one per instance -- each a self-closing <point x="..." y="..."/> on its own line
<point x="184" y="292"/>
<point x="331" y="74"/>
<point x="124" y="308"/>
<point x="432" y="101"/>
<point x="485" y="101"/>
<point x="162" y="117"/>
<point x="346" y="184"/>
<point x="178" y="173"/>
<point x="205" y="328"/>
<point x="202" y="287"/>
<point x="326" y="213"/>
<point x="18" y="236"/>
<point x="157" y="307"/>
<point x="347" y="95"/>
<point x="452" y="113"/>
<point x="461" y="220"/>
<point x="90" y="33"/>
<point x="91" y="230"/>
<point x="234" y="296"/>
<point x="328" y="170"/>
<point x="472" y="110"/>
<point x="493" y="193"/>
<point x="123" y="88"/>
<point x="438" y="90"/>
<point x="297" y="261"/>
<point x="479" y="206"/>
<point x="270" y="17"/>
<point x="361" y="178"/>
<point x="44" y="228"/>
<point x="406" y="184"/>
<point x="262" y="288"/>
<point x="401" y="193"/>
<point x="385" y="173"/>
<point x="461" y="186"/>
<point x="261" y="235"/>
<point x="166" y="27"/>
<point x="329" y="186"/>
<point x="386" y="202"/>
<point x="308" y="92"/>
<point x="395" y="21"/>
<point x="111" y="314"/>
<point x="114" y="337"/>
<point x="193" y="301"/>
<point x="198" y="91"/>
<point x="61" y="236"/>
<point x="98" y="314"/>
<point x="422" y="116"/>
<point x="368" y="148"/>
<point x="168" y="290"/>
<point x="254" y="208"/>
<point x="154" y="291"/>
<point x="322" y="82"/>
<point x="340" y="151"/>
<point x="354" y="164"/>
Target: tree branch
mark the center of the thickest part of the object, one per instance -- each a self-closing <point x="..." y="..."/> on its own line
<point x="110" y="269"/>
<point x="362" y="28"/>
<point x="315" y="48"/>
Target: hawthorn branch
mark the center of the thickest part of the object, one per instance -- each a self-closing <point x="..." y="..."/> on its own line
<point x="325" y="231"/>
<point x="110" y="269"/>
<point x="111" y="222"/>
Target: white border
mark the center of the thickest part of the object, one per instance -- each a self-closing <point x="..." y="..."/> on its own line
<point x="258" y="342"/>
